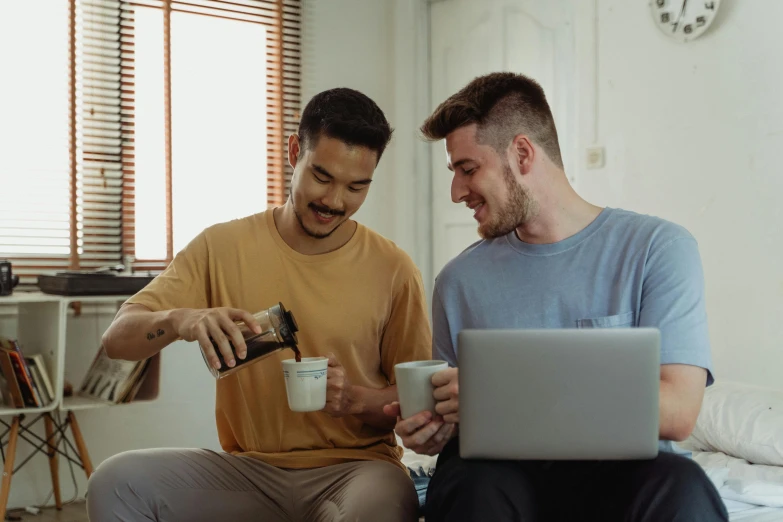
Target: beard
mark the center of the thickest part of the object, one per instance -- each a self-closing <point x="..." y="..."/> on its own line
<point x="314" y="233"/>
<point x="516" y="211"/>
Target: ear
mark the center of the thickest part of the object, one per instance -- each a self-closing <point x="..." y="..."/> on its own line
<point x="524" y="153"/>
<point x="293" y="149"/>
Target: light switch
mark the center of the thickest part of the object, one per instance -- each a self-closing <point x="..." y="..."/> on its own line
<point x="595" y="157"/>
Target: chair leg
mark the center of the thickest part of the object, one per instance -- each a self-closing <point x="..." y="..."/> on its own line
<point x="8" y="469"/>
<point x="53" y="461"/>
<point x="80" y="445"/>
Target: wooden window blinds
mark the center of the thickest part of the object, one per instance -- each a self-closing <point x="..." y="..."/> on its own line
<point x="100" y="228"/>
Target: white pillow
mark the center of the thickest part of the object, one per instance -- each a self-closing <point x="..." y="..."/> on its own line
<point x="741" y="421"/>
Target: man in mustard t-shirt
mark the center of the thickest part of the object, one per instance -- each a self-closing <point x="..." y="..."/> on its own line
<point x="357" y="297"/>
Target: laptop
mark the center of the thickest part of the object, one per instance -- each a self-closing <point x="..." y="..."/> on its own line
<point x="559" y="394"/>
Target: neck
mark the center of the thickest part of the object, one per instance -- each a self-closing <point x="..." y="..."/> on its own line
<point x="294" y="235"/>
<point x="560" y="212"/>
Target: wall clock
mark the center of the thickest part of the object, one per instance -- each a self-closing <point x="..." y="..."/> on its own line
<point x="684" y="20"/>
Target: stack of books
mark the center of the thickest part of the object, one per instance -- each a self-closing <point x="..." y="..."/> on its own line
<point x="27" y="383"/>
<point x="113" y="380"/>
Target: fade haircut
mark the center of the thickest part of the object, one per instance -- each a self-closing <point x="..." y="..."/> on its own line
<point x="346" y="115"/>
<point x="502" y="105"/>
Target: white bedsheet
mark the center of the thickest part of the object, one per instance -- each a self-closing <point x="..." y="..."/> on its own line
<point x="757" y="514"/>
<point x="738" y="480"/>
<point x="752" y="493"/>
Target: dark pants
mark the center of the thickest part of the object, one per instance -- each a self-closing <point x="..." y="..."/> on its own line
<point x="665" y="489"/>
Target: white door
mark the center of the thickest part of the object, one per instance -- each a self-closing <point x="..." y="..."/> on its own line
<point x="474" y="37"/>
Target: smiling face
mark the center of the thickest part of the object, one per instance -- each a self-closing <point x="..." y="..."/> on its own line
<point x="330" y="182"/>
<point x="485" y="182"/>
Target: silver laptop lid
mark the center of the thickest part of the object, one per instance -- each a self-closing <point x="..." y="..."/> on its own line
<point x="570" y="394"/>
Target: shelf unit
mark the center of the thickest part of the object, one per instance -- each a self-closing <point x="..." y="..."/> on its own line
<point x="42" y="328"/>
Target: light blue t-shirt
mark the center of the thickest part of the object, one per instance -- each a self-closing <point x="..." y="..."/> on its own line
<point x="623" y="270"/>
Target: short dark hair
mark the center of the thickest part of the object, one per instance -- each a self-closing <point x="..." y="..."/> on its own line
<point x="346" y="115"/>
<point x="503" y="105"/>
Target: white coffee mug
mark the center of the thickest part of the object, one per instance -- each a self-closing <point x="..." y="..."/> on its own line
<point x="305" y="383"/>
<point x="414" y="386"/>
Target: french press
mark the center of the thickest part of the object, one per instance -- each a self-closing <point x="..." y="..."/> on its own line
<point x="278" y="331"/>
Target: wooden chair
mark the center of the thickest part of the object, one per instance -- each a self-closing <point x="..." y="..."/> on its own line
<point x="56" y="436"/>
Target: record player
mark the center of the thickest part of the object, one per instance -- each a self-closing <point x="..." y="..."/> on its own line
<point x="105" y="281"/>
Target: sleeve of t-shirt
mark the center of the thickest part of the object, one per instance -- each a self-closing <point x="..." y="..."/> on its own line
<point x="442" y="340"/>
<point x="183" y="284"/>
<point x="673" y="301"/>
<point x="407" y="336"/>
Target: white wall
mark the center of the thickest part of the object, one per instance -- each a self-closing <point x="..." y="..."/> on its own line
<point x="346" y="44"/>
<point x="379" y="47"/>
<point x="693" y="133"/>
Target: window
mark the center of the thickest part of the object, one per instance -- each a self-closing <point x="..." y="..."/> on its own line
<point x="170" y="131"/>
<point x="150" y="136"/>
<point x="209" y="116"/>
<point x="34" y="161"/>
<point x="218" y="148"/>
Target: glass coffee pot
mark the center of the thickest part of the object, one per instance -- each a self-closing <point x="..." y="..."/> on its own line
<point x="278" y="331"/>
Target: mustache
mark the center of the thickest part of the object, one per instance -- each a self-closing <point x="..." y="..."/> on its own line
<point x="326" y="210"/>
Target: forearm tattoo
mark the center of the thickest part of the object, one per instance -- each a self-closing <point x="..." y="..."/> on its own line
<point x="153" y="335"/>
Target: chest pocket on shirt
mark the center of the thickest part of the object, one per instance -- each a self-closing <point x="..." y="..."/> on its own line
<point x="625" y="320"/>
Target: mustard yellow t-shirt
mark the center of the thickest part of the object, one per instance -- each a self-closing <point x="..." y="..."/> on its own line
<point x="364" y="302"/>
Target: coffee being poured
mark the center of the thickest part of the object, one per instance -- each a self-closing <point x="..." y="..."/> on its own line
<point x="278" y="331"/>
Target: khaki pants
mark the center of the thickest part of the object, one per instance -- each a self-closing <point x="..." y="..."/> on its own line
<point x="194" y="485"/>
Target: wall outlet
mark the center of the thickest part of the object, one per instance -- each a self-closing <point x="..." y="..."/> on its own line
<point x="595" y="157"/>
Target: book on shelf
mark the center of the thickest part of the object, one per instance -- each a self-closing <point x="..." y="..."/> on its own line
<point x="26" y="378"/>
<point x="41" y="376"/>
<point x="112" y="380"/>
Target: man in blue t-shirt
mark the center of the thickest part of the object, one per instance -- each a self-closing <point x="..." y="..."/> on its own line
<point x="550" y="259"/>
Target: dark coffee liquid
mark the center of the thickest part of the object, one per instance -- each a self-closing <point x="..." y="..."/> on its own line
<point x="256" y="348"/>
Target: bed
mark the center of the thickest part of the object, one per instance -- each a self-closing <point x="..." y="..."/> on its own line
<point x="738" y="441"/>
<point x="751" y="492"/>
<point x="758" y="514"/>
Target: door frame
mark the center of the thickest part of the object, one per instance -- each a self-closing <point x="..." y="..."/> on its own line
<point x="411" y="201"/>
